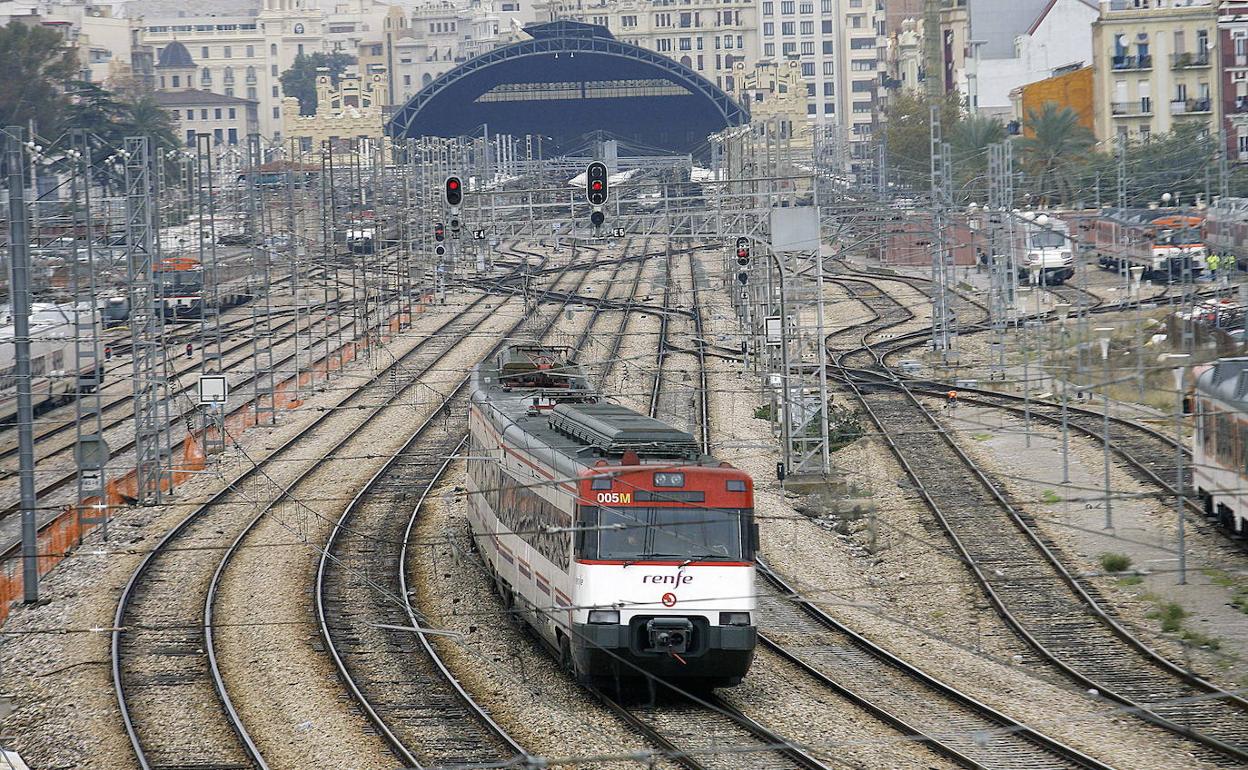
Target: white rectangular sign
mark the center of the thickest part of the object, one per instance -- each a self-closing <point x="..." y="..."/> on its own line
<point x="213" y="389"/>
<point x="795" y="228"/>
<point x="775" y="332"/>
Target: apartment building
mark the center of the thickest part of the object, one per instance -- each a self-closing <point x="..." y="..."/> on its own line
<point x="227" y="119"/>
<point x="1233" y="46"/>
<point x="1156" y="67"/>
<point x="708" y="36"/>
<point x="841" y="47"/>
<point x="242" y="54"/>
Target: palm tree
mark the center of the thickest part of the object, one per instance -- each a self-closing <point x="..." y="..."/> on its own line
<point x="145" y="117"/>
<point x="1056" y="146"/>
<point x="970" y="140"/>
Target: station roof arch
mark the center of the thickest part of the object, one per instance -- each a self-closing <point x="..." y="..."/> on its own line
<point x="569" y="80"/>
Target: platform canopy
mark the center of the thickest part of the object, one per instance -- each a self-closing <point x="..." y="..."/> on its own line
<point x="570" y="80"/>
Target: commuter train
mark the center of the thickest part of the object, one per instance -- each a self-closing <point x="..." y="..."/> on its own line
<point x="53" y="360"/>
<point x="1043" y="253"/>
<point x="1220" y="446"/>
<point x="1227" y="229"/>
<point x="1167" y="244"/>
<point x="180" y="289"/>
<point x="628" y="551"/>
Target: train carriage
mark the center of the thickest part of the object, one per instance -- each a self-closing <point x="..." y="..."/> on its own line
<point x="1228" y="229"/>
<point x="1220" y="444"/>
<point x="629" y="552"/>
<point x="1167" y="244"/>
<point x="53" y="358"/>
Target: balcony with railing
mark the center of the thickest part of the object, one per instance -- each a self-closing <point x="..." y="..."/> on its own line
<point x="1144" y="62"/>
<point x="1191" y="106"/>
<point x="1180" y="61"/>
<point x="1132" y="109"/>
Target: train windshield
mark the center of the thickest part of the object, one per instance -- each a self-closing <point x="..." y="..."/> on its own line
<point x="664" y="533"/>
<point x="1188" y="236"/>
<point x="1047" y="239"/>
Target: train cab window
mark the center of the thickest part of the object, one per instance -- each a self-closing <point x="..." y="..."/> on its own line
<point x="601" y="482"/>
<point x="736" y="485"/>
<point x="664" y="533"/>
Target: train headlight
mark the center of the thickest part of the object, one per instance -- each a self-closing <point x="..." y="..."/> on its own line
<point x="734" y="618"/>
<point x="604" y="617"/>
<point x="669" y="479"/>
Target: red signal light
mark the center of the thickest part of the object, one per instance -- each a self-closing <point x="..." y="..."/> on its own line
<point x="453" y="184"/>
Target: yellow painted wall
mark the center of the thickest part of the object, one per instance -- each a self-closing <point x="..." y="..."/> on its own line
<point x="1072" y="89"/>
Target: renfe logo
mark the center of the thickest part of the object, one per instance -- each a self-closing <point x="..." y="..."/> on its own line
<point x="615" y="497"/>
<point x="671" y="580"/>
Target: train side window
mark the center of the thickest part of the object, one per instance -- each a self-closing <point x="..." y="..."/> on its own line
<point x="38" y="366"/>
<point x="58" y="361"/>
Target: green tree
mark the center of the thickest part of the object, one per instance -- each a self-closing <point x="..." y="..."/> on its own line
<point x="1180" y="163"/>
<point x="969" y="142"/>
<point x="907" y="128"/>
<point x="300" y="80"/>
<point x="145" y="117"/>
<point x="36" y="65"/>
<point x="1052" y="155"/>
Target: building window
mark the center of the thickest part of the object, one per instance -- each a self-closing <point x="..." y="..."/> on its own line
<point x="227" y="52"/>
<point x="789" y="49"/>
<point x="190" y="138"/>
<point x="808" y="28"/>
<point x="788" y="28"/>
<point x="808" y="69"/>
<point x="275" y="92"/>
<point x="827" y="88"/>
<point x="272" y="49"/>
<point x="829" y="68"/>
<point x="407" y="80"/>
<point x="827" y="47"/>
<point x="252" y="93"/>
<point x="686" y="44"/>
<point x="251" y="54"/>
<point x="826" y="26"/>
<point x="229" y="90"/>
<point x="808" y="48"/>
<point x="769" y="28"/>
<point x="218" y="135"/>
<point x="203" y="114"/>
<point x="768" y="8"/>
<point x="810" y="109"/>
<point x="769" y="49"/>
<point x="216" y="114"/>
<point x="233" y="135"/>
<point x="829" y="108"/>
<point x="203" y="52"/>
<point x="810" y="89"/>
<point x="177" y="81"/>
<point x="205" y="77"/>
<point x="233" y="114"/>
<point x="786" y="7"/>
<point x="273" y="70"/>
<point x="277" y="113"/>
<point x="190" y="114"/>
<point x="628" y="21"/>
<point x="806" y="6"/>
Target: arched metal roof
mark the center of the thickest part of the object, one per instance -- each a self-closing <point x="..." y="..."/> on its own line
<point x="568" y="80"/>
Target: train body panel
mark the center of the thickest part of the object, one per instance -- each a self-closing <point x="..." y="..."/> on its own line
<point x="1043" y="251"/>
<point x="627" y="564"/>
<point x="1227" y="228"/>
<point x="1166" y="244"/>
<point x="54" y="375"/>
<point x="1220" y="444"/>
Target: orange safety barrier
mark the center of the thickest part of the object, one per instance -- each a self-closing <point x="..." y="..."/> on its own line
<point x="61" y="534"/>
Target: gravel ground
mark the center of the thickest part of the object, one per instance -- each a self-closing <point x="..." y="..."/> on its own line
<point x="1144" y="529"/>
<point x="55" y="656"/>
<point x="912" y="596"/>
<point x="287" y="692"/>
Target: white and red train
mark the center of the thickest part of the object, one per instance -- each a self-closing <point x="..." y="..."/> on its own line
<point x="1219" y="401"/>
<point x="1168" y="244"/>
<point x="628" y="551"/>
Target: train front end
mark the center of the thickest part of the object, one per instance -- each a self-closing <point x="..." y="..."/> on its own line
<point x="663" y="575"/>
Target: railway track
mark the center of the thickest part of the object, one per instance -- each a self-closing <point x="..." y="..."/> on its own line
<point x="1025" y="576"/>
<point x="367" y="619"/>
<point x="169" y="690"/>
<point x="957" y="725"/>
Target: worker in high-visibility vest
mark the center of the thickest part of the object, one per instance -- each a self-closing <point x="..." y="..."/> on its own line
<point x="1213" y="262"/>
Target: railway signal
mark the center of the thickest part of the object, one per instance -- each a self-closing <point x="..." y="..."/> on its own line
<point x="596" y="191"/>
<point x="743" y="252"/>
<point x="454" y="192"/>
<point x="439" y="235"/>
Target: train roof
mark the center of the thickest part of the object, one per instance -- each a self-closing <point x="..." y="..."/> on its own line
<point x="1143" y="216"/>
<point x="1227" y="381"/>
<point x="545" y="395"/>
